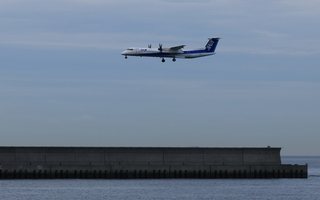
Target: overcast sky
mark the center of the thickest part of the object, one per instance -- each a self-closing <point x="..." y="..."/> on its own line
<point x="63" y="81"/>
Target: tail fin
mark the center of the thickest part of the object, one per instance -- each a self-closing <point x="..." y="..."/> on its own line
<point x="212" y="44"/>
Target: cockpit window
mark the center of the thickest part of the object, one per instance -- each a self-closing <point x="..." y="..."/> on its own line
<point x="130" y="49"/>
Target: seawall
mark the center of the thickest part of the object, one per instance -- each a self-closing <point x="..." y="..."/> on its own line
<point x="144" y="162"/>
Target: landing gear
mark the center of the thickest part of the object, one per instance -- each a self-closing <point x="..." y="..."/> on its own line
<point x="174" y="59"/>
<point x="163" y="60"/>
<point x="125" y="57"/>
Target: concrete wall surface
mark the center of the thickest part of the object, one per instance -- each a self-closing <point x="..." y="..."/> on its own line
<point x="136" y="155"/>
<point x="145" y="162"/>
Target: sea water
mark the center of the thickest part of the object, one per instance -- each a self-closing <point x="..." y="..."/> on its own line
<point x="146" y="189"/>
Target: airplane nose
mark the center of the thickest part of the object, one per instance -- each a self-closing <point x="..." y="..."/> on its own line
<point x="123" y="53"/>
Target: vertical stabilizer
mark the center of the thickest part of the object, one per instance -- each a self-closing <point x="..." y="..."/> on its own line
<point x="212" y="44"/>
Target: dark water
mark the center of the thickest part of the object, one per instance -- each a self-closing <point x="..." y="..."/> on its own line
<point x="171" y="188"/>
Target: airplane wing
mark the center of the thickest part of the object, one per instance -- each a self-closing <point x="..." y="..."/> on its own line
<point x="177" y="47"/>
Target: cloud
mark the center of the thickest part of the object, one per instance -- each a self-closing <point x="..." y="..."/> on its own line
<point x="307" y="5"/>
<point x="98" y="24"/>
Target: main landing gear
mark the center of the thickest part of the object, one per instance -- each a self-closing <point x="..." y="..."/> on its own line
<point x="173" y="59"/>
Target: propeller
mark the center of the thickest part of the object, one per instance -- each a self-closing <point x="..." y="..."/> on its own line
<point x="160" y="48"/>
<point x="149" y="46"/>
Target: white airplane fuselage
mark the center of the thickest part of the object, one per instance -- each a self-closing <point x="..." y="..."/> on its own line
<point x="173" y="52"/>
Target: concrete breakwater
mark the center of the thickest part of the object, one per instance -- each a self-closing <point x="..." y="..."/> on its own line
<point x="144" y="162"/>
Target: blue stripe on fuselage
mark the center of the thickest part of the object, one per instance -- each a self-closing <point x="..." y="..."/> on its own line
<point x="159" y="54"/>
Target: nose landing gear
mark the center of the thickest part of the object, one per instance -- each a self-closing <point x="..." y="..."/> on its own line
<point x="163" y="60"/>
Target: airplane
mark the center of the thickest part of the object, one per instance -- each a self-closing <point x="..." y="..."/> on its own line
<point x="173" y="52"/>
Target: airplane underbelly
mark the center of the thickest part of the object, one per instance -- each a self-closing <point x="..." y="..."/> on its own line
<point x="197" y="55"/>
<point x="192" y="55"/>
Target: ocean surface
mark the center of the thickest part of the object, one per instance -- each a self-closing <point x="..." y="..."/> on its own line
<point x="171" y="188"/>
